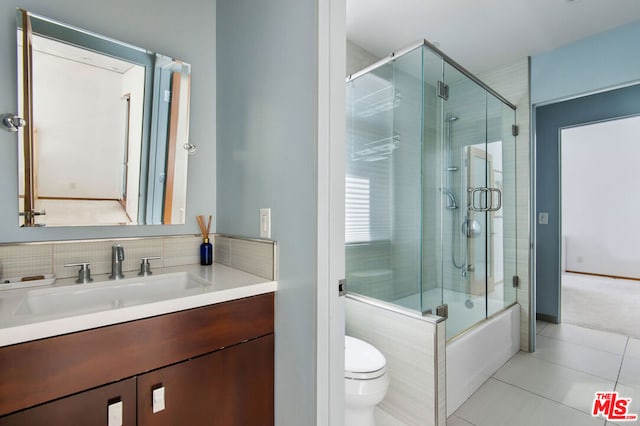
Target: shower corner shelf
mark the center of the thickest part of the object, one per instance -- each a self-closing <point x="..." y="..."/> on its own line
<point x="376" y="150"/>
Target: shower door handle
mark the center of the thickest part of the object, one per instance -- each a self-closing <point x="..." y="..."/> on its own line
<point x="484" y="193"/>
<point x="499" y="204"/>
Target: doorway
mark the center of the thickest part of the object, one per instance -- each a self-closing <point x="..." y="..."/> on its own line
<point x="549" y="122"/>
<point x="600" y="265"/>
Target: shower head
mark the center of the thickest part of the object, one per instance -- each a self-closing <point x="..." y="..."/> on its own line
<point x="451" y="119"/>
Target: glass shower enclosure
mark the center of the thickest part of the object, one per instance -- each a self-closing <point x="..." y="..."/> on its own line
<point x="430" y="188"/>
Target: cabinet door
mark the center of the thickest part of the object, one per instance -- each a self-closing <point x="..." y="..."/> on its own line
<point x="113" y="404"/>
<point x="233" y="386"/>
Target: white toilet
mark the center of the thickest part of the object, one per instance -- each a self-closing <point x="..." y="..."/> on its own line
<point x="365" y="381"/>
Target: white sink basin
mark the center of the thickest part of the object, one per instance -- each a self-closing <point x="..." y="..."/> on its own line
<point x="107" y="295"/>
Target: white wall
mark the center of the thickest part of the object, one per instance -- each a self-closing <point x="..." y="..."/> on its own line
<point x="358" y="58"/>
<point x="599" y="209"/>
<point x="133" y="84"/>
<point x="79" y="148"/>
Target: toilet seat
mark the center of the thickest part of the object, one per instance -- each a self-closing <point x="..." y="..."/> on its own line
<point x="362" y="361"/>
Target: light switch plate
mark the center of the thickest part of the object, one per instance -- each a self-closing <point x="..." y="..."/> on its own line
<point x="265" y="223"/>
<point x="543" y="218"/>
<point x="158" y="399"/>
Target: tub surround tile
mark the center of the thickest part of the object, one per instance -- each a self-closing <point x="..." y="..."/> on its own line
<point x="409" y="346"/>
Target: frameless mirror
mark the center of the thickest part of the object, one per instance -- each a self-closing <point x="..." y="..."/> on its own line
<point x="106" y="137"/>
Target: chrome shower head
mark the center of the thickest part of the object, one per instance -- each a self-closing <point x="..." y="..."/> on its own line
<point x="451" y="119"/>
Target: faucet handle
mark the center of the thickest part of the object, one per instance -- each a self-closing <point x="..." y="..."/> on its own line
<point x="145" y="266"/>
<point x="84" y="274"/>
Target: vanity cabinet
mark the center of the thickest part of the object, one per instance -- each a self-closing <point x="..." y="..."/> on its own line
<point x="233" y="386"/>
<point x="85" y="408"/>
<point x="208" y="365"/>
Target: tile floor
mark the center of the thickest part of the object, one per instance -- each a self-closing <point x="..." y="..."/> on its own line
<point x="556" y="384"/>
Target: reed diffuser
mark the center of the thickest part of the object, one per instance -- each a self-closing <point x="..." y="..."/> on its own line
<point x="206" y="249"/>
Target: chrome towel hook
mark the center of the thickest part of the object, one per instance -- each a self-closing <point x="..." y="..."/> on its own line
<point x="11" y="122"/>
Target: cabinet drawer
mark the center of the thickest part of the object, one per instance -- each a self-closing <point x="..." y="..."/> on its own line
<point x="231" y="387"/>
<point x="86" y="408"/>
<point x="36" y="372"/>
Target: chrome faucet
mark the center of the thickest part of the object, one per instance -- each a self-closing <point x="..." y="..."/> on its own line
<point x="117" y="257"/>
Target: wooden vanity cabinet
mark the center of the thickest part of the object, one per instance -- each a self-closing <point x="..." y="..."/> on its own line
<point x="215" y="365"/>
<point x="83" y="409"/>
<point x="230" y="387"/>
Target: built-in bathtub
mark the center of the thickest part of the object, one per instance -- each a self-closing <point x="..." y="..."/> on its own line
<point x="473" y="356"/>
<point x="430" y="377"/>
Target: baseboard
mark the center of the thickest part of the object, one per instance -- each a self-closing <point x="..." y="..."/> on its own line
<point x="547" y="318"/>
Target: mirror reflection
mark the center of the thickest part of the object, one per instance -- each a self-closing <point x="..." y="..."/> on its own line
<point x="106" y="136"/>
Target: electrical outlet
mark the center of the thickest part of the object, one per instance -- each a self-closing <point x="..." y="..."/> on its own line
<point x="265" y="223"/>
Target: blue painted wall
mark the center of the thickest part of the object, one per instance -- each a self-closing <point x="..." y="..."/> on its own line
<point x="549" y="120"/>
<point x="267" y="157"/>
<point x="602" y="61"/>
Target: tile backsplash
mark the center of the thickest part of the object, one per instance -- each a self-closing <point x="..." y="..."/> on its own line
<point x="46" y="258"/>
<point x="25" y="259"/>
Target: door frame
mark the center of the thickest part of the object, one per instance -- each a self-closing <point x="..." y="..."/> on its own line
<point x="330" y="325"/>
<point x="548" y="119"/>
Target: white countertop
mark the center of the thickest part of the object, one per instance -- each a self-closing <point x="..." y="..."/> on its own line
<point x="225" y="284"/>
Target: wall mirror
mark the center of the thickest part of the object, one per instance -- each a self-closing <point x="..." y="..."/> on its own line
<point x="106" y="135"/>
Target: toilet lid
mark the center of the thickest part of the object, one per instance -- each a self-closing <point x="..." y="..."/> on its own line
<point x="361" y="358"/>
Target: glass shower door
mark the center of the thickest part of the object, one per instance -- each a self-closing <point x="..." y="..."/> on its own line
<point x="501" y="219"/>
<point x="383" y="182"/>
<point x="466" y="162"/>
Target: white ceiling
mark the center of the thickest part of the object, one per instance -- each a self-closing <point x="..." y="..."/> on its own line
<point x="483" y="34"/>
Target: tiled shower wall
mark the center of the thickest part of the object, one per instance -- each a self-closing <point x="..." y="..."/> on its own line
<point x="414" y="348"/>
